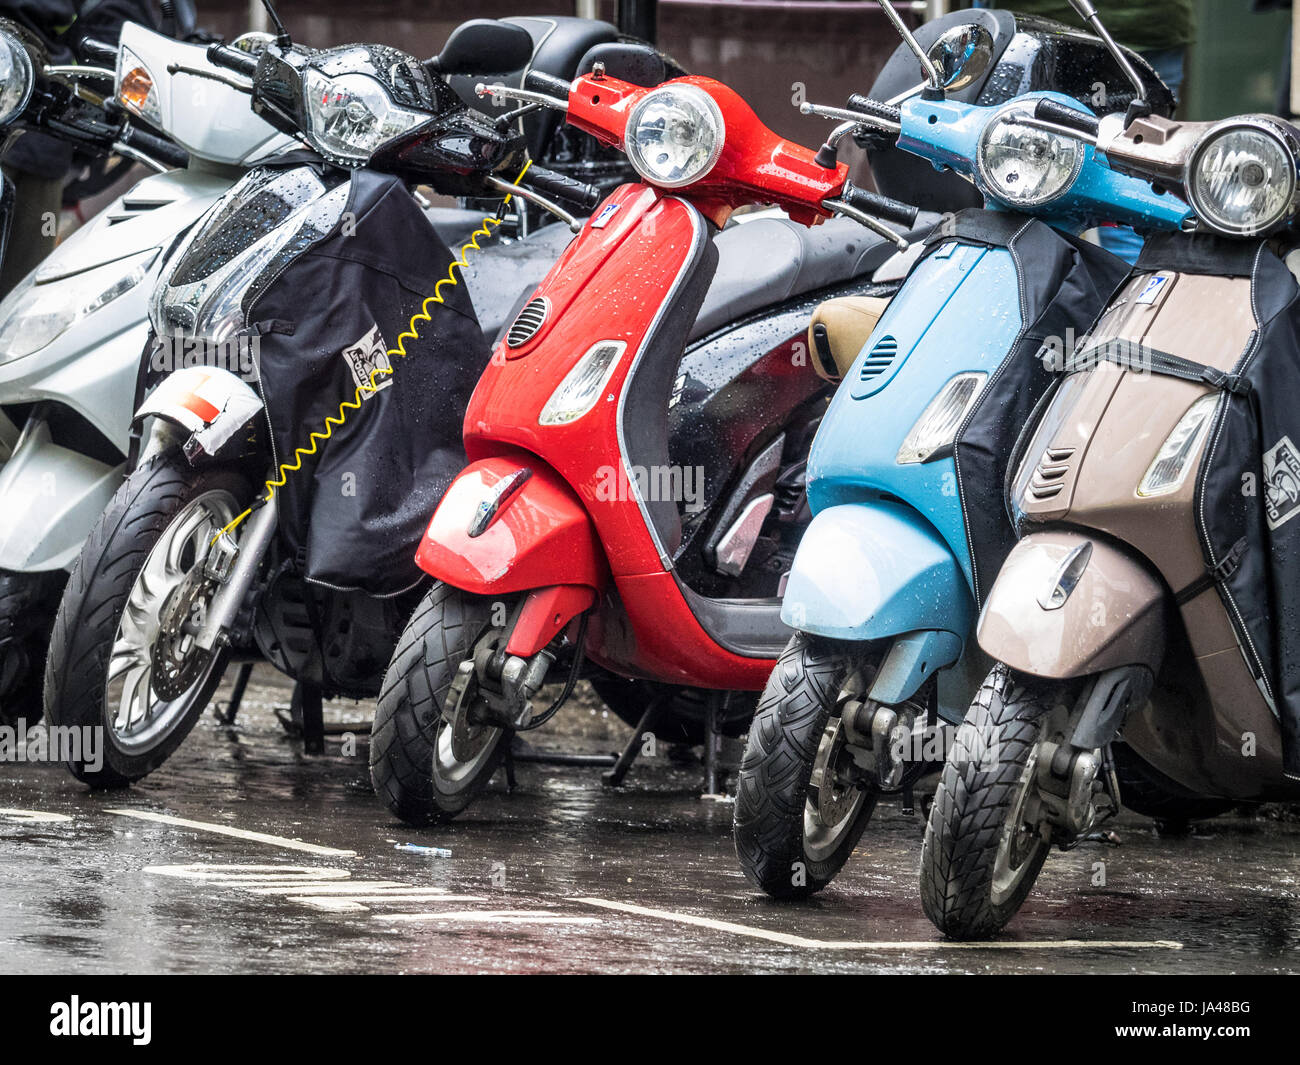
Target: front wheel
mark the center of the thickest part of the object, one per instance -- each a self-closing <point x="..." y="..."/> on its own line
<point x="802" y="804"/>
<point x="426" y="765"/>
<point x="986" y="838"/>
<point x="123" y="656"/>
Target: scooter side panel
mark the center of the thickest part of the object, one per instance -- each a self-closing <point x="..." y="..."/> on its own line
<point x="52" y="496"/>
<point x="958" y="312"/>
<point x="540" y="535"/>
<point x="870" y="572"/>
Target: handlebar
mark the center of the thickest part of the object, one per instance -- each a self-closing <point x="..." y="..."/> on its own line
<point x="872" y="203"/>
<point x="866" y="105"/>
<point x="1063" y="115"/>
<point x="540" y="81"/>
<point x="222" y="55"/>
<point x="577" y="194"/>
<point x="157" y="148"/>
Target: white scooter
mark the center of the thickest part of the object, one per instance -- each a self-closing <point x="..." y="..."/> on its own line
<point x="72" y="333"/>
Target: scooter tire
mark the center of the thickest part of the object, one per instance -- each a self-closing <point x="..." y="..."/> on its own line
<point x="96" y="594"/>
<point x="1146" y="791"/>
<point x="773" y="787"/>
<point x="441" y="633"/>
<point x="972" y="805"/>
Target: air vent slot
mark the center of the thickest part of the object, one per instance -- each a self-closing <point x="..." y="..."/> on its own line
<point x="879" y="359"/>
<point x="528" y="322"/>
<point x="1050" y="473"/>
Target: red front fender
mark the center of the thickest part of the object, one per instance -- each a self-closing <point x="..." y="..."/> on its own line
<point x="541" y="534"/>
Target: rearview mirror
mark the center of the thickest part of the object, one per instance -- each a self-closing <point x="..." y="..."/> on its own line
<point x="483" y="46"/>
<point x="962" y="55"/>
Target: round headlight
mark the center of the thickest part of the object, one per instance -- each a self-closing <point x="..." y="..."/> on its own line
<point x="350" y="117"/>
<point x="674" y="135"/>
<point x="1025" y="166"/>
<point x="1241" y="180"/>
<point x="16" y="77"/>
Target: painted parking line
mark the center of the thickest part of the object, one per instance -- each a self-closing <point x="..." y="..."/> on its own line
<point x="788" y="940"/>
<point x="491" y="917"/>
<point x="31" y="817"/>
<point x="235" y="833"/>
<point x="357" y="903"/>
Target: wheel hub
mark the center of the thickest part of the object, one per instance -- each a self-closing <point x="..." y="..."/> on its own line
<point x="178" y="661"/>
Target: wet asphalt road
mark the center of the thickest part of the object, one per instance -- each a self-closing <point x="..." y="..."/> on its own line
<point x="563" y="875"/>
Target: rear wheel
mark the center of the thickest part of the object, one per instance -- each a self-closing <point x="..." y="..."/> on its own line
<point x="986" y="838"/>
<point x="28" y="603"/>
<point x="802" y="803"/>
<point x="123" y="653"/>
<point x="425" y="765"/>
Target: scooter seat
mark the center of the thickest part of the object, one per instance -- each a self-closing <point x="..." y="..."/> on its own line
<point x="770" y="260"/>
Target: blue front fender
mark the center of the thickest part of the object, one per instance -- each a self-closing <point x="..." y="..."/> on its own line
<point x="868" y="571"/>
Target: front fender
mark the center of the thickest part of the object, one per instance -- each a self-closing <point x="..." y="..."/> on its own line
<point x="540" y="534"/>
<point x="210" y="403"/>
<point x="1109" y="610"/>
<point x="867" y="571"/>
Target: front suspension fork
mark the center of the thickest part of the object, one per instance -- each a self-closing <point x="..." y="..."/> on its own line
<point x="239" y="571"/>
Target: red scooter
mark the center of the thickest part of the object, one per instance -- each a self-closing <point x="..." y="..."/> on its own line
<point x="561" y="541"/>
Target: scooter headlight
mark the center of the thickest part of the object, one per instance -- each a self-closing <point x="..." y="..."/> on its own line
<point x="1241" y="180"/>
<point x="674" y="135"/>
<point x="36" y="313"/>
<point x="937" y="427"/>
<point x="135" y="88"/>
<point x="16" y="77"/>
<point x="1169" y="469"/>
<point x="350" y="116"/>
<point x="582" y="385"/>
<point x="1024" y="166"/>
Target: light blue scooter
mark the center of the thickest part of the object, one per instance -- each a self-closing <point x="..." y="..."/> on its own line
<point x="904" y="477"/>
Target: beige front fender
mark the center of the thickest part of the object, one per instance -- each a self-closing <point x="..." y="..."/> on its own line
<point x="1066" y="604"/>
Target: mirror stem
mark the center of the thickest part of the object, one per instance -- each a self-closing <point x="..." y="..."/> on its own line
<point x="931" y="71"/>
<point x="1139" y="108"/>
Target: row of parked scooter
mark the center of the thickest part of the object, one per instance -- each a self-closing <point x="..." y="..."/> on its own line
<point x="955" y="489"/>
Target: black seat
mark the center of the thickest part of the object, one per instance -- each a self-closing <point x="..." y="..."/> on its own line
<point x="772" y="259"/>
<point x="559" y="43"/>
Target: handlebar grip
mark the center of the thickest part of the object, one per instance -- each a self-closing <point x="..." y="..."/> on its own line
<point x="559" y="187"/>
<point x="1063" y="115"/>
<point x="222" y="55"/>
<point x="94" y="50"/>
<point x="883" y="207"/>
<point x="865" y="104"/>
<point x="155" y="147"/>
<point x="539" y="81"/>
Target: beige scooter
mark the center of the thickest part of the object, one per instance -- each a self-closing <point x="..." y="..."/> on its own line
<point x="1152" y="502"/>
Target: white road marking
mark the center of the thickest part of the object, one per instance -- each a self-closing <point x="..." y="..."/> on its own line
<point x="32" y="817"/>
<point x="346" y="887"/>
<point x="353" y="903"/>
<point x="236" y="833"/>
<point x="788" y="940"/>
<point x="491" y="917"/>
<point x="299" y="876"/>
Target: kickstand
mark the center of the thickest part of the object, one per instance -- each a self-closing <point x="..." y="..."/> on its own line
<point x="307" y="713"/>
<point x="712" y="743"/>
<point x="227" y="716"/>
<point x="614" y="777"/>
<point x="511" y="783"/>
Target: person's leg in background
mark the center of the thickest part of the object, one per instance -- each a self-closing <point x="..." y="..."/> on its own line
<point x="1169" y="63"/>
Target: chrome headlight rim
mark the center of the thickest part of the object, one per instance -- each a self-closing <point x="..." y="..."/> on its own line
<point x="710" y="107"/>
<point x="1016" y="111"/>
<point x="23" y="62"/>
<point x="1287" y="140"/>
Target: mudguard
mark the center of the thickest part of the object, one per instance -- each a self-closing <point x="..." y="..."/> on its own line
<point x="1069" y="605"/>
<point x="500" y="530"/>
<point x="210" y="403"/>
<point x="52" y="495"/>
<point x="869" y="571"/>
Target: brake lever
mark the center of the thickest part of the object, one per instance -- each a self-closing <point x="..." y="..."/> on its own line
<point x="508" y="92"/>
<point x="537" y="198"/>
<point x="879" y="228"/>
<point x="843" y="114"/>
<point x="239" y="86"/>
